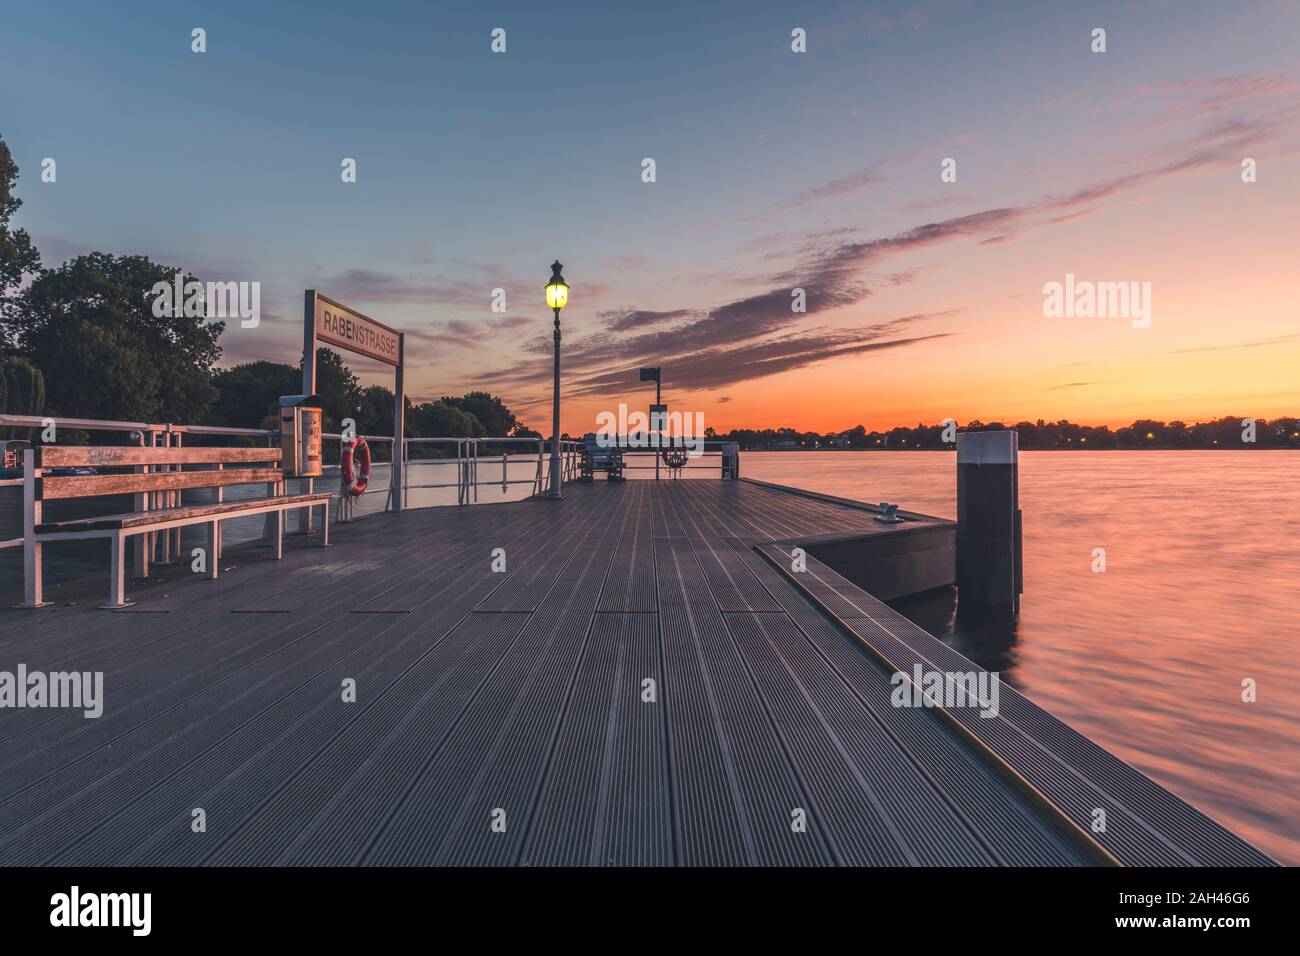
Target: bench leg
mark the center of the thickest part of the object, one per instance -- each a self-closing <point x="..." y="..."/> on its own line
<point x="325" y="523"/>
<point x="214" y="549"/>
<point x="141" y="557"/>
<point x="117" y="573"/>
<point x="279" y="534"/>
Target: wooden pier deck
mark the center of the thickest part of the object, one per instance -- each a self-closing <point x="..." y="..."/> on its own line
<point x="502" y="718"/>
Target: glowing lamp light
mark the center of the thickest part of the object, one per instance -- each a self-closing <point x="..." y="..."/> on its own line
<point x="557" y="290"/>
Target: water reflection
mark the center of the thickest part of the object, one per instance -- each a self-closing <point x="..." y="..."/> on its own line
<point x="988" y="638"/>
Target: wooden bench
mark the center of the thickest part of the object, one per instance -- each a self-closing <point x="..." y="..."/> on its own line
<point x="225" y="466"/>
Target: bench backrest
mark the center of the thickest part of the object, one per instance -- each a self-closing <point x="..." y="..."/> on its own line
<point x="238" y="466"/>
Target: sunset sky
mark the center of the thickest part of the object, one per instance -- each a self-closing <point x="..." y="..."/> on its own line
<point x="775" y="170"/>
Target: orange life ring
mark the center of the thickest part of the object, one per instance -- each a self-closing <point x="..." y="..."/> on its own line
<point x="355" y="482"/>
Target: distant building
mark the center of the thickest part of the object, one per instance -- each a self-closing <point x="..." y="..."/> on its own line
<point x="785" y="444"/>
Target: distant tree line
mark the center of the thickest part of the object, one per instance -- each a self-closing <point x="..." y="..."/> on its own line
<point x="81" y="340"/>
<point x="1230" y="432"/>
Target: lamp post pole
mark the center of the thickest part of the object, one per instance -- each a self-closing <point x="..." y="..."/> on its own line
<point x="557" y="297"/>
<point x="555" y="416"/>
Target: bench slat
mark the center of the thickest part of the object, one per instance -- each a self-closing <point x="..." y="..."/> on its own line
<point x="90" y="486"/>
<point x="102" y="456"/>
<point x="131" y="519"/>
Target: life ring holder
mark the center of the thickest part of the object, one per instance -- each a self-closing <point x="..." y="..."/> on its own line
<point x="354" y="472"/>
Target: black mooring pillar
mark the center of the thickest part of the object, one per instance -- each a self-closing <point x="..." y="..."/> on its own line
<point x="989" y="569"/>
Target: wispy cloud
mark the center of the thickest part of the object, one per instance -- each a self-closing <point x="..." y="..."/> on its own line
<point x="723" y="363"/>
<point x="1277" y="340"/>
<point x="373" y="286"/>
<point x="623" y="320"/>
<point x="1055" y="388"/>
<point x="461" y="333"/>
<point x="873" y="175"/>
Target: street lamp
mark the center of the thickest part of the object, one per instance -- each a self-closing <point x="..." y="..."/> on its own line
<point x="557" y="297"/>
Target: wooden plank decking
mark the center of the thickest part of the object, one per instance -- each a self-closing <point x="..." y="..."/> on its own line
<point x="521" y="698"/>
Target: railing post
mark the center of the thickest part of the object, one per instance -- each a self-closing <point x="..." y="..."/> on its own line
<point x="271" y="522"/>
<point x="398" y="475"/>
<point x="464" y="473"/>
<point x="33" y="592"/>
<point x="140" y="503"/>
<point x="162" y="499"/>
<point x="215" y="556"/>
<point x="178" y="499"/>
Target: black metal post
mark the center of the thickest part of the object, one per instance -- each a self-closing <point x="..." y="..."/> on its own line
<point x="658" y="401"/>
<point x="989" y="563"/>
<point x="555" y="417"/>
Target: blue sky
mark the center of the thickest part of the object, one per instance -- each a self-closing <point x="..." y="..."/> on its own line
<point x="476" y="169"/>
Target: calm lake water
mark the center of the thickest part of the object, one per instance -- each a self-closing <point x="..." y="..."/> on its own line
<point x="1199" y="593"/>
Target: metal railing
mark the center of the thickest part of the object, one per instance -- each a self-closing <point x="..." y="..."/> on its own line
<point x="469" y="457"/>
<point x="467" y="462"/>
<point x="721" y="455"/>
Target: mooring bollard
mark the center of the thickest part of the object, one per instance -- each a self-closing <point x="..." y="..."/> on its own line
<point x="989" y="562"/>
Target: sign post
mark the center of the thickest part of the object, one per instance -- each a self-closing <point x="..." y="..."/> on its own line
<point x="654" y="374"/>
<point x="333" y="323"/>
